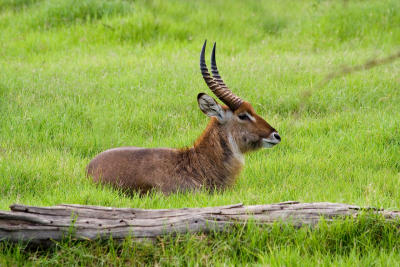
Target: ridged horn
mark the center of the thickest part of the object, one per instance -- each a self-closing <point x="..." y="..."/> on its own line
<point x="223" y="93"/>
<point x="230" y="97"/>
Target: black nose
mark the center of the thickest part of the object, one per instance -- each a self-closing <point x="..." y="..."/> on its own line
<point x="277" y="136"/>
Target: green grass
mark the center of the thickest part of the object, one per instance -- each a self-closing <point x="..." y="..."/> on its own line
<point x="79" y="77"/>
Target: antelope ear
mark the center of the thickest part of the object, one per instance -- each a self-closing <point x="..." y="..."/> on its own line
<point x="210" y="107"/>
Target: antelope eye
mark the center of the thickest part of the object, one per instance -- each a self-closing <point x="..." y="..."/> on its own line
<point x="244" y="117"/>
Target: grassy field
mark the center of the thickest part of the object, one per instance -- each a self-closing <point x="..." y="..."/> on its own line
<point x="79" y="77"/>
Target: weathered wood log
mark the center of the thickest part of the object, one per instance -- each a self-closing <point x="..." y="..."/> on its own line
<point x="41" y="224"/>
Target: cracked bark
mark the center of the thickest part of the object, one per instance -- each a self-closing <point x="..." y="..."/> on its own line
<point x="44" y="224"/>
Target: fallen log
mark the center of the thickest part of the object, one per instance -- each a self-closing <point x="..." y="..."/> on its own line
<point x="41" y="224"/>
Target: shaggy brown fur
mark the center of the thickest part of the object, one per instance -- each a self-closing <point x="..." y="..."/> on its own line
<point x="213" y="162"/>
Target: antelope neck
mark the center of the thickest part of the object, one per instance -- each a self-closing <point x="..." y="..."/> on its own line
<point x="217" y="145"/>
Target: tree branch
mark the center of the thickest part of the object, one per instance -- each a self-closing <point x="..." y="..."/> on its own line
<point x="43" y="224"/>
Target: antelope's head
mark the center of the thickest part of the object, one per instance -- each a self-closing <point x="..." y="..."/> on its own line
<point x="247" y="129"/>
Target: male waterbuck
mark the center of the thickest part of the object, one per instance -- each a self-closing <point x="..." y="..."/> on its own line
<point x="213" y="162"/>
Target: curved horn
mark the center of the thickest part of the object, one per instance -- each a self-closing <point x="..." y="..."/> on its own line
<point x="231" y="97"/>
<point x="224" y="94"/>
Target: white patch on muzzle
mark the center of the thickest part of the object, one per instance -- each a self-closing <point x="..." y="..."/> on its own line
<point x="270" y="141"/>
